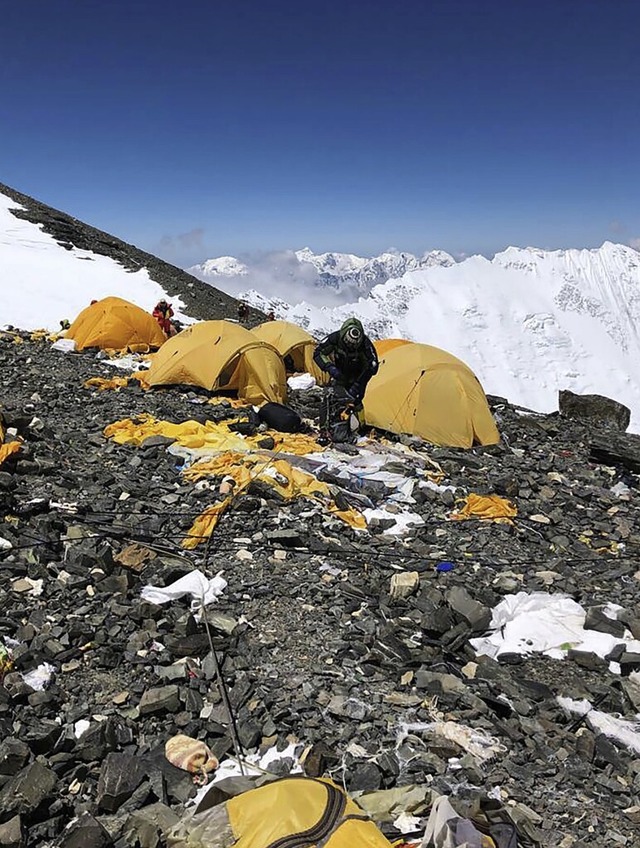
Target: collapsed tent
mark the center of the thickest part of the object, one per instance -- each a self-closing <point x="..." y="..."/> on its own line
<point x="115" y="323"/>
<point x="291" y="812"/>
<point x="220" y="355"/>
<point x="292" y="343"/>
<point x="427" y="392"/>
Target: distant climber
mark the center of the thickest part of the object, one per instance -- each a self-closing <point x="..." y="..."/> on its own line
<point x="163" y="313"/>
<point x="243" y="312"/>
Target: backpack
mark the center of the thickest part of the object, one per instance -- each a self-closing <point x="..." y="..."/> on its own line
<point x="279" y="417"/>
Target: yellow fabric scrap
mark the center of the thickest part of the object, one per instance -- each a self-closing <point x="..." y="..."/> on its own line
<point x="235" y="403"/>
<point x="103" y="384"/>
<point x="487" y="507"/>
<point x="7" y="450"/>
<point x="287" y="480"/>
<point x="215" y="436"/>
<point x="39" y="335"/>
<point x="141" y="377"/>
<point x="17" y="340"/>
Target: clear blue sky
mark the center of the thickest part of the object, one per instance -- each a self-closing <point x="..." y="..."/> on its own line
<point x="196" y="129"/>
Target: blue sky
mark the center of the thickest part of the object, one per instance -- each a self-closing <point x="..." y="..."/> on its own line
<point x="196" y="129"/>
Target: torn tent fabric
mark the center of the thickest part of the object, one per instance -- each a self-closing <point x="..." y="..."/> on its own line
<point x="210" y="437"/>
<point x="7" y="450"/>
<point x="104" y="384"/>
<point x="447" y="829"/>
<point x="289" y="812"/>
<point x="288" y="481"/>
<point x="486" y="507"/>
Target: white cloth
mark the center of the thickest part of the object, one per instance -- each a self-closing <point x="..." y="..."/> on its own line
<point x="203" y="590"/>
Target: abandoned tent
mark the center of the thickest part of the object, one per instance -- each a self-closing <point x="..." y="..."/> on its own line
<point x="294" y="345"/>
<point x="427" y="392"/>
<point x="115" y="323"/>
<point x="222" y="356"/>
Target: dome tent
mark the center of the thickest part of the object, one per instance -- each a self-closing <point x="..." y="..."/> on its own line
<point x="290" y="340"/>
<point x="427" y="392"/>
<point x="383" y="346"/>
<point x="115" y="323"/>
<point x="221" y="355"/>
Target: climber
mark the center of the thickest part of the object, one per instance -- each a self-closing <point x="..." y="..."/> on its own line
<point x="243" y="312"/>
<point x="163" y="313"/>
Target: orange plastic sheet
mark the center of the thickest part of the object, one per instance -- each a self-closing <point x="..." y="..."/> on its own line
<point x="487" y="507"/>
<point x="288" y="481"/>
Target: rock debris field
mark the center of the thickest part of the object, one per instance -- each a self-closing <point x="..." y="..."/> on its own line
<point x="376" y="657"/>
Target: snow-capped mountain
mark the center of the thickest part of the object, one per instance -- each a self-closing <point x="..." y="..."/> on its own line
<point x="222" y="266"/>
<point x="319" y="273"/>
<point x="529" y="322"/>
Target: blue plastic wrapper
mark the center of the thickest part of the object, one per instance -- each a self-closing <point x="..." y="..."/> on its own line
<point x="441" y="567"/>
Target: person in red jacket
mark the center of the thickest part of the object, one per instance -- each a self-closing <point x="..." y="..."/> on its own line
<point x="163" y="313"/>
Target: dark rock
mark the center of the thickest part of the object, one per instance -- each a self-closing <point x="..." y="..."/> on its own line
<point x="13" y="834"/>
<point x="147" y="828"/>
<point x="366" y="776"/>
<point x="617" y="449"/>
<point x="14" y="754"/>
<point x="475" y="614"/>
<point x="160" y="700"/>
<point x="120" y="776"/>
<point x="85" y="832"/>
<point x="28" y="789"/>
<point x="597" y="620"/>
<point x="595" y="410"/>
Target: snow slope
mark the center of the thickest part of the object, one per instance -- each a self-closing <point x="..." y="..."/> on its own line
<point x="529" y="322"/>
<point x="43" y="282"/>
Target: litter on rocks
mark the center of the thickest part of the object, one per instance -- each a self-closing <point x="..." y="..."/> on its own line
<point x="203" y="590"/>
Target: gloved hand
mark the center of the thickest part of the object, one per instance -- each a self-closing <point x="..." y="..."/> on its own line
<point x="333" y="372"/>
<point x="356" y="392"/>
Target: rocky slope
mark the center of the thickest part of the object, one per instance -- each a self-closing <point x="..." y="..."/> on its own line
<point x="313" y="644"/>
<point x="202" y="301"/>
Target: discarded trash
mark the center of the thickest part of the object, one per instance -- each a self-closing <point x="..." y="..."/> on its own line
<point x="443" y="567"/>
<point x="301" y="382"/>
<point x="40" y="677"/>
<point x="544" y="623"/>
<point x="203" y="590"/>
<point x="487" y="507"/>
<point x="447" y="829"/>
<point x="191" y="755"/>
<point x="481" y="746"/>
<point x="625" y="732"/>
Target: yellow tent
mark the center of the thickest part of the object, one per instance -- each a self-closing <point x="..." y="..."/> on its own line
<point x="291" y="340"/>
<point x="383" y="346"/>
<point x="221" y="355"/>
<point x="427" y="392"/>
<point x="115" y="323"/>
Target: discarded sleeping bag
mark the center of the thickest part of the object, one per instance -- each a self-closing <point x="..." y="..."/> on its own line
<point x="279" y="417"/>
<point x="295" y="812"/>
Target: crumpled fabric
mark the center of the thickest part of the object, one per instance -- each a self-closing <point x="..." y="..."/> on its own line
<point x="190" y="755"/>
<point x="446" y="829"/>
<point x="487" y="507"/>
<point x="203" y="590"/>
<point x="215" y="437"/>
<point x="8" y="450"/>
<point x="104" y="384"/>
<point x="481" y="746"/>
<point x="289" y="482"/>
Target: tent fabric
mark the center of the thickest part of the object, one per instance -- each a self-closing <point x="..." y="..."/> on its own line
<point x="219" y="355"/>
<point x="291" y="811"/>
<point x="487" y="507"/>
<point x="115" y="323"/>
<point x="291" y="340"/>
<point x="383" y="346"/>
<point x="427" y="392"/>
